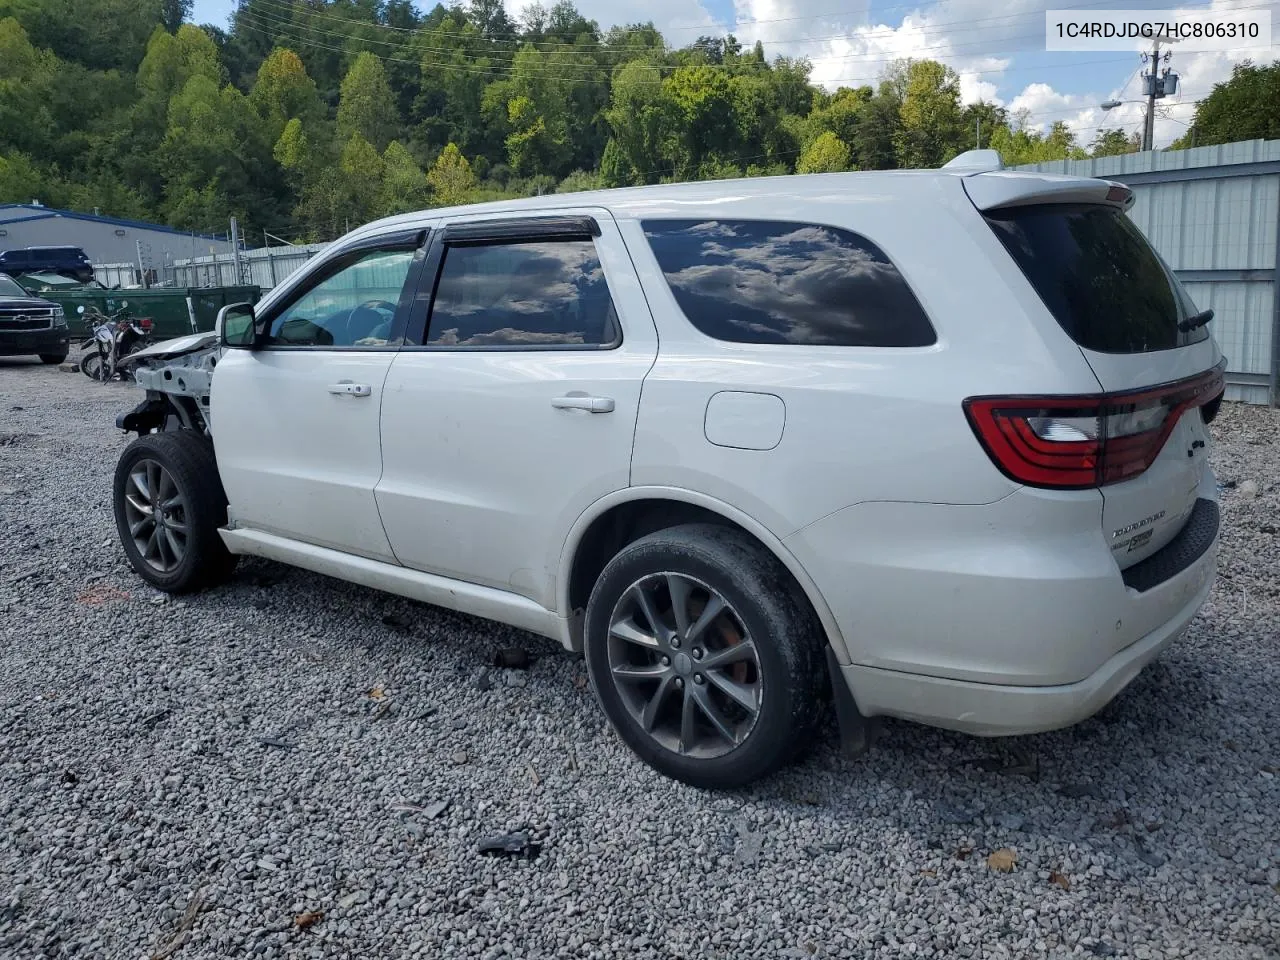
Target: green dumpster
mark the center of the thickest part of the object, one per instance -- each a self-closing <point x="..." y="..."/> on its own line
<point x="174" y="311"/>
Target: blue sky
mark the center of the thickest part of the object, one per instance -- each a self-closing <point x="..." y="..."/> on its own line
<point x="998" y="49"/>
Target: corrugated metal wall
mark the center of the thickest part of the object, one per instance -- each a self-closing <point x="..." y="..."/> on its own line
<point x="264" y="267"/>
<point x="1214" y="215"/>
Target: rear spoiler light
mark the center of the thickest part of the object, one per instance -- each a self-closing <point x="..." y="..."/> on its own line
<point x="1073" y="443"/>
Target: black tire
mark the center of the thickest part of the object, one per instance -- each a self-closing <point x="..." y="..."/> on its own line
<point x="188" y="459"/>
<point x="788" y="641"/>
<point x="91" y="366"/>
<point x="52" y="358"/>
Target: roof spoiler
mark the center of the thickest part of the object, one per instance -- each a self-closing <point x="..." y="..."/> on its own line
<point x="1013" y="189"/>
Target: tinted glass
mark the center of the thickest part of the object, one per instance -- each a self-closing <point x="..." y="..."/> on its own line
<point x="9" y="287"/>
<point x="1098" y="276"/>
<point x="356" y="306"/>
<point x="765" y="281"/>
<point x="548" y="293"/>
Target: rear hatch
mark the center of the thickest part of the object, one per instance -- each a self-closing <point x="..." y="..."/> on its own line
<point x="1151" y="350"/>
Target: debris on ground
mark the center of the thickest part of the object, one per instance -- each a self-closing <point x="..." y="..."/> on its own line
<point x="518" y="844"/>
<point x="511" y="658"/>
<point x="1002" y="860"/>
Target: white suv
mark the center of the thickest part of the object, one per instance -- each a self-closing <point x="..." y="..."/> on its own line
<point x="931" y="442"/>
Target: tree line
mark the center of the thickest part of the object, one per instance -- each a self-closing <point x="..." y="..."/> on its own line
<point x="305" y="116"/>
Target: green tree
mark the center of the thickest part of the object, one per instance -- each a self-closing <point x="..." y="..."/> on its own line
<point x="284" y="91"/>
<point x="367" y="107"/>
<point x="1113" y="143"/>
<point x="173" y="59"/>
<point x="932" y="119"/>
<point x="827" y="154"/>
<point x="20" y="180"/>
<point x="450" y="177"/>
<point x="1245" y="107"/>
<point x="404" y="185"/>
<point x="98" y="34"/>
<point x="174" y="12"/>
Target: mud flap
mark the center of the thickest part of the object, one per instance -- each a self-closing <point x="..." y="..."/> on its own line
<point x="857" y="733"/>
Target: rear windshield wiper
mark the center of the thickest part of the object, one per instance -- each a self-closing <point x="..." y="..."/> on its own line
<point x="1195" y="321"/>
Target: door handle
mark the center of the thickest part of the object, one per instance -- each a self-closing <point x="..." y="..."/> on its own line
<point x="589" y="404"/>
<point x="348" y="389"/>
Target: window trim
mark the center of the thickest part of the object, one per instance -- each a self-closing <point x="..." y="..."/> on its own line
<point x="333" y="262"/>
<point x="697" y="331"/>
<point x="506" y="233"/>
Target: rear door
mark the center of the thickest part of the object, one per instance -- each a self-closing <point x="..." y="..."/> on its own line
<point x="1138" y="329"/>
<point x="513" y="406"/>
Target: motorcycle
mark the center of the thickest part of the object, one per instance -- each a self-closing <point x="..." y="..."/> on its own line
<point x="111" y="339"/>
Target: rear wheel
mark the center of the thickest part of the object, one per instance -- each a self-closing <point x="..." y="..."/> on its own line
<point x="169" y="504"/>
<point x="52" y="358"/>
<point x="704" y="660"/>
<point x="91" y="366"/>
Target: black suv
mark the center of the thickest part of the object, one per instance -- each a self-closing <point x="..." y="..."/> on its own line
<point x="31" y="326"/>
<point x="69" y="261"/>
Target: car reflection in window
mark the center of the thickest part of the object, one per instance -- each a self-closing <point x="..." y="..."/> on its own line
<point x="749" y="281"/>
<point x="523" y="294"/>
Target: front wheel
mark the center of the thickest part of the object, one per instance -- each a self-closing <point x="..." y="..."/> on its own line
<point x="91" y="365"/>
<point x="705" y="661"/>
<point x="169" y="504"/>
<point x="52" y="358"/>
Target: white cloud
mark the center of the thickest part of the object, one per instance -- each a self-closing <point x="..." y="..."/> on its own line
<point x="981" y="42"/>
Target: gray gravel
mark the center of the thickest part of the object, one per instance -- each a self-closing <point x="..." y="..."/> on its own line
<point x="205" y="777"/>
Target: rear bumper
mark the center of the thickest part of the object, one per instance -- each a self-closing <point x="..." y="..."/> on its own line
<point x="1000" y="618"/>
<point x="987" y="709"/>
<point x="18" y="343"/>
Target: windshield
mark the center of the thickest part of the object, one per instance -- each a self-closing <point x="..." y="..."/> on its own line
<point x="1098" y="276"/>
<point x="10" y="288"/>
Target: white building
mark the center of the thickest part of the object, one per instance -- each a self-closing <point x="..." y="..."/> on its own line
<point x="104" y="239"/>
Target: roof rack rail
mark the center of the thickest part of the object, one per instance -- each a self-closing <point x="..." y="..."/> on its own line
<point x="976" y="161"/>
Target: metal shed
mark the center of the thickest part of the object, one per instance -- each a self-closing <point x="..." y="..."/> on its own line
<point x="1214" y="215"/>
<point x="107" y="240"/>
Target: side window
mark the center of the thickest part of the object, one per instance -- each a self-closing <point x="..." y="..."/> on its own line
<point x="354" y="305"/>
<point x="539" y="293"/>
<point x="766" y="281"/>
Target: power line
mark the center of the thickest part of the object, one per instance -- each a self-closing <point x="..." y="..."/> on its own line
<point x="1059" y="112"/>
<point x="860" y="33"/>
<point x="505" y="65"/>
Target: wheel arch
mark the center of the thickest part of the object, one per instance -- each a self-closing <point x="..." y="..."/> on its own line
<point x="626" y="515"/>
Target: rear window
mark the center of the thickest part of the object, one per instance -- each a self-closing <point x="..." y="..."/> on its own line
<point x="768" y="281"/>
<point x="1098" y="276"/>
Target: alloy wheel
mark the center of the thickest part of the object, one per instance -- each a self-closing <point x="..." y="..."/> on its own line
<point x="684" y="665"/>
<point x="156" y="512"/>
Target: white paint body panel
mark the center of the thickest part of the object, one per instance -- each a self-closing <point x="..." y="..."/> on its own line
<point x="938" y="581"/>
<point x="482" y="477"/>
<point x="295" y="459"/>
<point x="744" y="420"/>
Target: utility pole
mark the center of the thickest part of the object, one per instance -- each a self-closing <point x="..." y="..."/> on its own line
<point x="235" y="247"/>
<point x="1158" y="86"/>
<point x="977" y="133"/>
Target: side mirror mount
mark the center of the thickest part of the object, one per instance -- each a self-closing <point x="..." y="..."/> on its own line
<point x="237" y="326"/>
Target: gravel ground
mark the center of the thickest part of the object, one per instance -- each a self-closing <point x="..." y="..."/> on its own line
<point x="258" y="772"/>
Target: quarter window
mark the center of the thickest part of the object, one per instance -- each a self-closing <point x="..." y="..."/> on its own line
<point x="544" y="293"/>
<point x="354" y="306"/>
<point x="765" y="281"/>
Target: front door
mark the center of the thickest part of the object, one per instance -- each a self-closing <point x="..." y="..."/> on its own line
<point x="295" y="422"/>
<point x="513" y="407"/>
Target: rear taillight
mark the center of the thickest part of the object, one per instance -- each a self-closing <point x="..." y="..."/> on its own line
<point x="145" y="323"/>
<point x="1070" y="443"/>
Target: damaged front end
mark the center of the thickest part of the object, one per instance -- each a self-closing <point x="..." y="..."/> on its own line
<point x="176" y="375"/>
